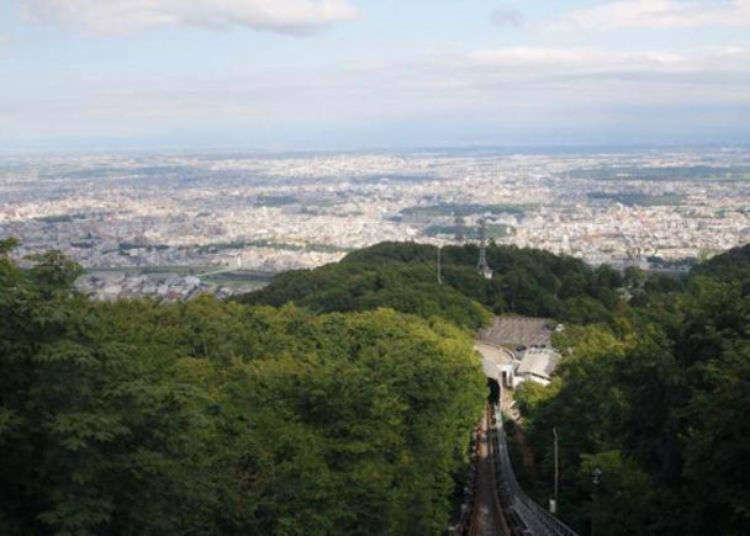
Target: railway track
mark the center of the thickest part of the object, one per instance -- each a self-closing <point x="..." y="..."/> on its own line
<point x="498" y="506"/>
<point x="524" y="515"/>
<point x="487" y="518"/>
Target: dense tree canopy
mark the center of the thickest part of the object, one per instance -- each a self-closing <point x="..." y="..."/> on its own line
<point x="729" y="266"/>
<point x="660" y="406"/>
<point x="408" y="288"/>
<point x="206" y="417"/>
<point x="348" y="410"/>
<point x="653" y="388"/>
<point x="404" y="276"/>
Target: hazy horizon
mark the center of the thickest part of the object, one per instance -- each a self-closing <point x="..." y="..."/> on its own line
<point x="146" y="150"/>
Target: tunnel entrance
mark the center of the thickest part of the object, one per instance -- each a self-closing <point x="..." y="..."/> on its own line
<point x="494" y="391"/>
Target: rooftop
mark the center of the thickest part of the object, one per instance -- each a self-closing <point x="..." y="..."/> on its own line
<point x="539" y="362"/>
<point x="518" y="331"/>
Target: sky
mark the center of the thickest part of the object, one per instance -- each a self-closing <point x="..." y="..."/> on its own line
<point x="355" y="74"/>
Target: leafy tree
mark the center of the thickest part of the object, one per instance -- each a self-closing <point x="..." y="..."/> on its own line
<point x="659" y="396"/>
<point x="208" y="417"/>
<point x="404" y="276"/>
<point x="623" y="501"/>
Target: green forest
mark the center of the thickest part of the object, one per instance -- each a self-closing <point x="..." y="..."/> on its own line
<point x="341" y="400"/>
<point x="658" y="401"/>
<point x="653" y="387"/>
<point x="206" y="417"/>
<point x="403" y="276"/>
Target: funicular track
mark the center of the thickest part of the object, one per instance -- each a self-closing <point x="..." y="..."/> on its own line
<point x="498" y="505"/>
<point x="487" y="515"/>
<point x="524" y="516"/>
<point x="482" y="514"/>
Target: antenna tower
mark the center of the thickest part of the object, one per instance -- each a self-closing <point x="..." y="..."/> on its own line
<point x="482" y="265"/>
<point x="458" y="225"/>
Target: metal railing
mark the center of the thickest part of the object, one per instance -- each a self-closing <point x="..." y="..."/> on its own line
<point x="535" y="519"/>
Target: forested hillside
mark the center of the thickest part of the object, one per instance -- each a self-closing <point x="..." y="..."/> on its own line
<point x="661" y="408"/>
<point x="338" y="415"/>
<point x="405" y="287"/>
<point x="138" y="418"/>
<point x="653" y="390"/>
<point x="404" y="276"/>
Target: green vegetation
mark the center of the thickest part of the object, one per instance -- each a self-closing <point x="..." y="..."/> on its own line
<point x="61" y="218"/>
<point x="659" y="174"/>
<point x="676" y="264"/>
<point x="262" y="243"/>
<point x="653" y="391"/>
<point x="459" y="209"/>
<point x="409" y="288"/>
<point x="403" y="276"/>
<point x="218" y="418"/>
<point x="728" y="267"/>
<point x="657" y="401"/>
<point x="494" y="230"/>
<point x="239" y="280"/>
<point x="348" y="411"/>
<point x="638" y="198"/>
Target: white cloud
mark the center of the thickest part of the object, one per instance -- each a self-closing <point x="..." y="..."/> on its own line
<point x="532" y="87"/>
<point x="657" y="14"/>
<point x="532" y="56"/>
<point x="540" y="59"/>
<point x="123" y="16"/>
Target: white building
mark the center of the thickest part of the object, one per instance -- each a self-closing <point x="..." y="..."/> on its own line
<point x="536" y="364"/>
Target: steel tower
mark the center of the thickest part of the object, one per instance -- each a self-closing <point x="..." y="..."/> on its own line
<point x="482" y="266"/>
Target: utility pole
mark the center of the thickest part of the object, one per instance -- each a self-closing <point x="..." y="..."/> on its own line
<point x="439" y="268"/>
<point x="553" y="506"/>
<point x="482" y="266"/>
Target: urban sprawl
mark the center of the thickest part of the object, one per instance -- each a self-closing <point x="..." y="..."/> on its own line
<point x="174" y="226"/>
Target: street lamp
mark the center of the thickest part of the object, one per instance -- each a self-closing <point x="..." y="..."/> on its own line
<point x="596" y="477"/>
<point x="553" y="502"/>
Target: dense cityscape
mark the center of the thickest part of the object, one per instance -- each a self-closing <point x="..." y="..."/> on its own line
<point x="266" y="214"/>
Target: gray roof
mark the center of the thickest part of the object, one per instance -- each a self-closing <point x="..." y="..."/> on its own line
<point x="492" y="357"/>
<point x="539" y="362"/>
<point x="516" y="330"/>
